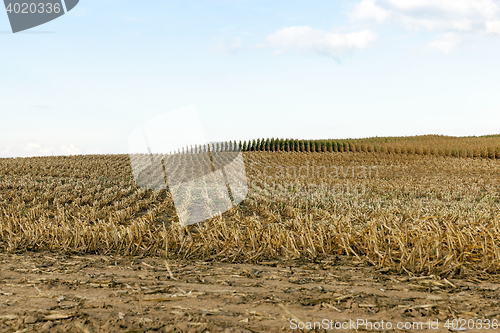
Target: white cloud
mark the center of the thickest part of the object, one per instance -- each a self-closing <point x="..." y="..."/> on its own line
<point x="432" y="15"/>
<point x="493" y="27"/>
<point x="309" y="40"/>
<point x="226" y="47"/>
<point x="37" y="149"/>
<point x="445" y="43"/>
<point x="71" y="150"/>
<point x="368" y="10"/>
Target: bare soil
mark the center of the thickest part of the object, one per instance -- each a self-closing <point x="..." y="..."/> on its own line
<point x="48" y="292"/>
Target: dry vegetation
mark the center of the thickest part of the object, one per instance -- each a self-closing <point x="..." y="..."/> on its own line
<point x="410" y="213"/>
<point x="398" y="235"/>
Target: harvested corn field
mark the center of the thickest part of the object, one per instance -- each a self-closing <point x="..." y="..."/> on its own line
<point x="421" y="217"/>
<point x="434" y="215"/>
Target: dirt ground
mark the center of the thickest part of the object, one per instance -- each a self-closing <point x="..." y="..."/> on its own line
<point x="47" y="292"/>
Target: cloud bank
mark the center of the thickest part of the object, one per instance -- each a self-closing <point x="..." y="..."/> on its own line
<point x="454" y="19"/>
<point x="305" y="39"/>
<point x="432" y="15"/>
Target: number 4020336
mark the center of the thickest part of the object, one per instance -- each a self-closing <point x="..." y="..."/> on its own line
<point x="33" y="8"/>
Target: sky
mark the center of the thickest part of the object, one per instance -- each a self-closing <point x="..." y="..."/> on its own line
<point x="84" y="83"/>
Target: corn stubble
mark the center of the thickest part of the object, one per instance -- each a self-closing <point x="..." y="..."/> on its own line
<point x="411" y="213"/>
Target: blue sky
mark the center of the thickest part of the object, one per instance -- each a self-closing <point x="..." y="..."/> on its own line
<point x="277" y="68"/>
